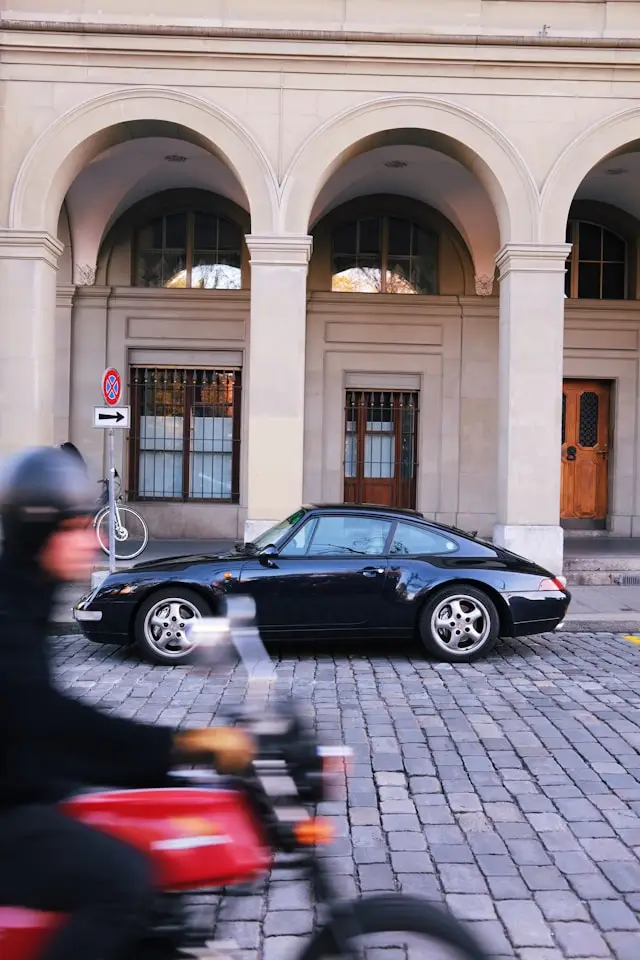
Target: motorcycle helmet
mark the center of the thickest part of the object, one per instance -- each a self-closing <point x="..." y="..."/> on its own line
<point x="39" y="490"/>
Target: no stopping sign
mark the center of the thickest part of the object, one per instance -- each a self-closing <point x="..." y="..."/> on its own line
<point x="111" y="386"/>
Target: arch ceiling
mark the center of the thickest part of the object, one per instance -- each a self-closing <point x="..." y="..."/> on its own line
<point x="130" y="171"/>
<point x="426" y="175"/>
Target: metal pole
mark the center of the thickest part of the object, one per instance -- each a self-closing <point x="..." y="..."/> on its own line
<point x="112" y="503"/>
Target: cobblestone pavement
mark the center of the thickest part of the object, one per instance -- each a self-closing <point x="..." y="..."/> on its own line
<point x="508" y="789"/>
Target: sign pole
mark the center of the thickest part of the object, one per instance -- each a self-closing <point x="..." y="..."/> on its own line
<point x="112" y="502"/>
<point x="111" y="417"/>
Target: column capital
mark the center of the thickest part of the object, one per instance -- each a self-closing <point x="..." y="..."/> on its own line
<point x="65" y="292"/>
<point x="30" y="245"/>
<point x="532" y="258"/>
<point x="281" y="250"/>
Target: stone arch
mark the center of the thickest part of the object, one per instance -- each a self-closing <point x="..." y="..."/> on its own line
<point x="88" y="129"/>
<point x="600" y="141"/>
<point x="426" y="121"/>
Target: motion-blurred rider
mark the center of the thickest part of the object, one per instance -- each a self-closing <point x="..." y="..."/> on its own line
<point x="50" y="743"/>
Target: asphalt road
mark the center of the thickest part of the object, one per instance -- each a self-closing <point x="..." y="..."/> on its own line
<point x="508" y="789"/>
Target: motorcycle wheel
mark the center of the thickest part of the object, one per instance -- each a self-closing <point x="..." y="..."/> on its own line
<point x="395" y="913"/>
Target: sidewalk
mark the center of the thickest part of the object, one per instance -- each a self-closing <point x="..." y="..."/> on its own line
<point x="608" y="609"/>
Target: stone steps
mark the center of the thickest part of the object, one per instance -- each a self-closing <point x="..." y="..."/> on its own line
<point x="602" y="571"/>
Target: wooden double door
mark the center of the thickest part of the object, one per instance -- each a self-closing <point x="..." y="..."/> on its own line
<point x="586" y="408"/>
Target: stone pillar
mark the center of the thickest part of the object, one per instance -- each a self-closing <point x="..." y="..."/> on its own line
<point x="28" y="265"/>
<point x="530" y="401"/>
<point x="88" y="363"/>
<point x="62" y="391"/>
<point x="275" y="378"/>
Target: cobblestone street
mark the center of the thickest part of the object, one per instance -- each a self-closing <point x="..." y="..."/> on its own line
<point x="509" y="788"/>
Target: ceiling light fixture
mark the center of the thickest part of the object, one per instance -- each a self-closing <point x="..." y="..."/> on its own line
<point x="175" y="158"/>
<point x="395" y="164"/>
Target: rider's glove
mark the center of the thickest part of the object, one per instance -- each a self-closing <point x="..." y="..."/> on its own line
<point x="230" y="748"/>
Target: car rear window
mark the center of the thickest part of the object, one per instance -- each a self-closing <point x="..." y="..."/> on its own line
<point x="411" y="539"/>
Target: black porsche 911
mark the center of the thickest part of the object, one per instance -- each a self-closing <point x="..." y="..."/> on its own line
<point x="337" y="571"/>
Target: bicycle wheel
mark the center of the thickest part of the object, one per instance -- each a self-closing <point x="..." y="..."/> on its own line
<point x="132" y="533"/>
<point x="394" y="926"/>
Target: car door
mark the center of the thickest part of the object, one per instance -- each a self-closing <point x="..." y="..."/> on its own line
<point x="417" y="555"/>
<point x="328" y="577"/>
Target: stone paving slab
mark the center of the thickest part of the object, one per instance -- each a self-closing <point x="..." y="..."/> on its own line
<point x="507" y="790"/>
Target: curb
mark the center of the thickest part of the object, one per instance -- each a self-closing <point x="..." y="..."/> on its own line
<point x="624" y="622"/>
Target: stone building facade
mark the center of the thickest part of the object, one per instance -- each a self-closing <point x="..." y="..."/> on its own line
<point x="339" y="250"/>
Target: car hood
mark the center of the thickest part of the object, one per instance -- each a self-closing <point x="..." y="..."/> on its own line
<point x="175" y="563"/>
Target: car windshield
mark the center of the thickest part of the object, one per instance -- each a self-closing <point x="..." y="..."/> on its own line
<point x="274" y="534"/>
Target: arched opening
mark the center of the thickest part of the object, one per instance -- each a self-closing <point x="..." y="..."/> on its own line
<point x="401" y="277"/>
<point x="600" y="442"/>
<point x="157" y="224"/>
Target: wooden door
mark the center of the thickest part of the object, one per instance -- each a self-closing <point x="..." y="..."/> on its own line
<point x="380" y="447"/>
<point x="585" y="449"/>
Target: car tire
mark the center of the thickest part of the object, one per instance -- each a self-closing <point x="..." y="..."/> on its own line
<point x="459" y="624"/>
<point x="161" y="621"/>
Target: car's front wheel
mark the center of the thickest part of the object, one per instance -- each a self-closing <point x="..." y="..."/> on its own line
<point x="459" y="624"/>
<point x="162" y="622"/>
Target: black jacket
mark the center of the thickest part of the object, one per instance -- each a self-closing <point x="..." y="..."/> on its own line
<point x="49" y="742"/>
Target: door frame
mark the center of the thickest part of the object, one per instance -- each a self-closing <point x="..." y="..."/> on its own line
<point x="576" y="524"/>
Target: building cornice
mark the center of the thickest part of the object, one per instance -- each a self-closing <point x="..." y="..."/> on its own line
<point x="199" y="31"/>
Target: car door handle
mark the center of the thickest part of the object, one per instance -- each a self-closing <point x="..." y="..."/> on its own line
<point x="372" y="571"/>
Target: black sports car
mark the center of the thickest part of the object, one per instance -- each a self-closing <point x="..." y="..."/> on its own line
<point x="329" y="571"/>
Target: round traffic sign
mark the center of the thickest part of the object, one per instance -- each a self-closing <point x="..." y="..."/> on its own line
<point x="111" y="386"/>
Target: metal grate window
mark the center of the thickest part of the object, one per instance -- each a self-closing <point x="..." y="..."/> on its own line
<point x="589" y="411"/>
<point x="380" y="461"/>
<point x="185" y="438"/>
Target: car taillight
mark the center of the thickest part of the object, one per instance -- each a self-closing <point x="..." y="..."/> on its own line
<point x="553" y="583"/>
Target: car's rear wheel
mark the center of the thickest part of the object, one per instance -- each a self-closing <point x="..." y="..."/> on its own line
<point x="459" y="624"/>
<point x="162" y="622"/>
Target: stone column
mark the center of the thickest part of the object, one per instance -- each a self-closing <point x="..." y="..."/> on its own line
<point x="88" y="363"/>
<point x="275" y="378"/>
<point x="28" y="265"/>
<point x="62" y="391"/>
<point x="530" y="401"/>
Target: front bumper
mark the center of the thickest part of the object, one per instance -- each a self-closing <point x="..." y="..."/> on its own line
<point x="87" y="616"/>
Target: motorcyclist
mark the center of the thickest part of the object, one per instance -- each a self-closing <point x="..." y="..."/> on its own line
<point x="50" y="742"/>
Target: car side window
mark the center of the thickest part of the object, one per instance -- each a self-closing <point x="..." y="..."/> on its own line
<point x="299" y="543"/>
<point x="348" y="535"/>
<point x="411" y="539"/>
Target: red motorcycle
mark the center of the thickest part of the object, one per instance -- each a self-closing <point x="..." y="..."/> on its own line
<point x="205" y="835"/>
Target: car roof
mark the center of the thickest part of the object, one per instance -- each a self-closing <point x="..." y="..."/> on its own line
<point x="366" y="508"/>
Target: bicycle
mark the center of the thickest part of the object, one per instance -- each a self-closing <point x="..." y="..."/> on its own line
<point x="130" y="527"/>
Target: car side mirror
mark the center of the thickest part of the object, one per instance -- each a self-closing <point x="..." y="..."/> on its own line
<point x="269" y="554"/>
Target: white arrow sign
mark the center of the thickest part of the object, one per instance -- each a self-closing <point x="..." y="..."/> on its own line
<point x="105" y="417"/>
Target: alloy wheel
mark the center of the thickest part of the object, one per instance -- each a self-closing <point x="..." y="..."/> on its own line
<point x="460" y="624"/>
<point x="166" y="625"/>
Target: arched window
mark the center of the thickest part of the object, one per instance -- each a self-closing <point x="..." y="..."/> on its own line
<point x="189" y="249"/>
<point x="384" y="255"/>
<point x="597" y="264"/>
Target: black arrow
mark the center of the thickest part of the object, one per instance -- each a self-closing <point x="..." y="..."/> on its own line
<point x="111" y="416"/>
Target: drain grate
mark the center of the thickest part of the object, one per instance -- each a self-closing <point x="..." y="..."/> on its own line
<point x="631" y="580"/>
